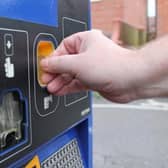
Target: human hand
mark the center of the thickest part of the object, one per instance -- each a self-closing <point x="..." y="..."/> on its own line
<point x="90" y="61"/>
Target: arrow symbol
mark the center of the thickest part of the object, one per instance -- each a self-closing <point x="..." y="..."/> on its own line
<point x="9" y="44"/>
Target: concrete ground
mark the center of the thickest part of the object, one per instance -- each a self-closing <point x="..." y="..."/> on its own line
<point x="131" y="136"/>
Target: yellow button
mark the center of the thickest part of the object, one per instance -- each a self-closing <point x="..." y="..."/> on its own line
<point x="44" y="49"/>
<point x="34" y="163"/>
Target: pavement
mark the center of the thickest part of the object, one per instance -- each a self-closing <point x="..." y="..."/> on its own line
<point x="130" y="136"/>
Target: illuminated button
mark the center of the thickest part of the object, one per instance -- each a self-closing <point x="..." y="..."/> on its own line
<point x="34" y="163"/>
<point x="44" y="49"/>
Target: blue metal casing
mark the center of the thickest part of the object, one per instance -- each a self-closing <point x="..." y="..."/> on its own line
<point x="35" y="11"/>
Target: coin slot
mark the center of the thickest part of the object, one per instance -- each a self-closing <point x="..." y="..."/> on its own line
<point x="44" y="49"/>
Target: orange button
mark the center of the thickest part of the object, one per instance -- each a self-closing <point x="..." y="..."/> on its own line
<point x="44" y="49"/>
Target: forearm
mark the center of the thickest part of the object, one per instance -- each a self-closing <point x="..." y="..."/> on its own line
<point x="155" y="69"/>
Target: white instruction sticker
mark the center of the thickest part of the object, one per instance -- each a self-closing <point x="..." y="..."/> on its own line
<point x="9" y="68"/>
<point x="47" y="101"/>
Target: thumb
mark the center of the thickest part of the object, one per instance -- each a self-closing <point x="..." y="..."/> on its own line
<point x="61" y="64"/>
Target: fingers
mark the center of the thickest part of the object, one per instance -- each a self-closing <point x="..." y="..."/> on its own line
<point x="64" y="64"/>
<point x="73" y="87"/>
<point x="71" y="44"/>
<point x="67" y="57"/>
<point x="68" y="50"/>
<point x="68" y="63"/>
<point x="59" y="83"/>
<point x="48" y="77"/>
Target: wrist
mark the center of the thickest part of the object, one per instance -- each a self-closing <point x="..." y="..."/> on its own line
<point x="153" y="78"/>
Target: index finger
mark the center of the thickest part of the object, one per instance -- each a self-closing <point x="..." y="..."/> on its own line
<point x="70" y="45"/>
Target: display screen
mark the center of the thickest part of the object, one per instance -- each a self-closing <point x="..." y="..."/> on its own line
<point x="35" y="11"/>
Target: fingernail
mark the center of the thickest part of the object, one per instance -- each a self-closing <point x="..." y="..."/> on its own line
<point x="43" y="78"/>
<point x="51" y="88"/>
<point x="44" y="63"/>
